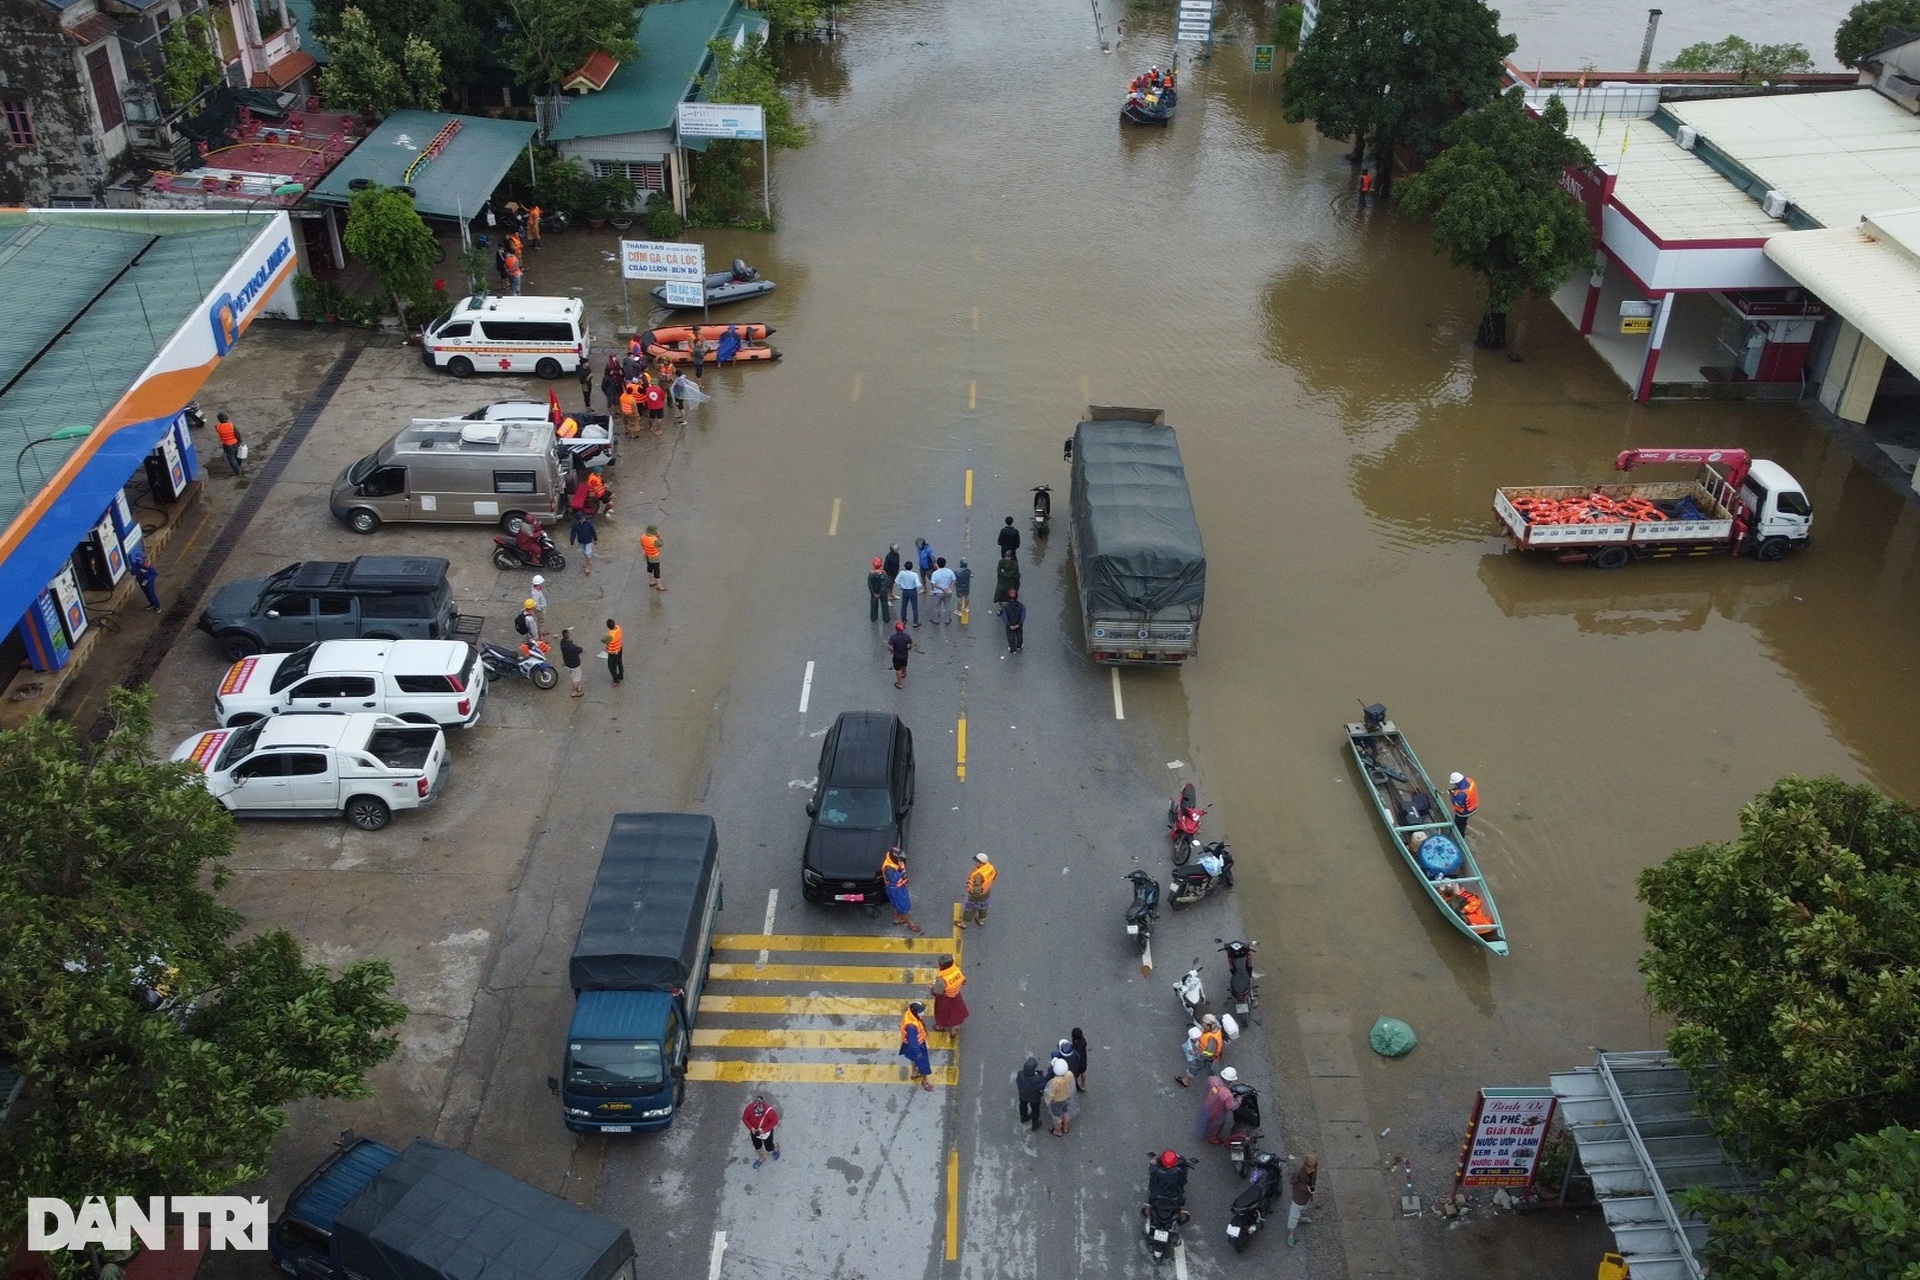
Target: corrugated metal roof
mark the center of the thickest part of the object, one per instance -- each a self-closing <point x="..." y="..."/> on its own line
<point x="61" y="269"/>
<point x="1676" y="194"/>
<point x="102" y="345"/>
<point x="645" y="91"/>
<point x="454" y="183"/>
<point x="1838" y="155"/>
<point x="1638" y="1133"/>
<point x="1866" y="275"/>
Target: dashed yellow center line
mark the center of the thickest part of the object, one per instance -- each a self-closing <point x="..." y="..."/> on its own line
<point x="953" y="1203"/>
<point x="960" y="764"/>
<point x="969" y="486"/>
<point x="976" y="317"/>
<point x="973" y="397"/>
<point x="856" y="386"/>
<point x="833" y="521"/>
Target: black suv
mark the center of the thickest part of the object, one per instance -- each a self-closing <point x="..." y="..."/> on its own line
<point x="859" y="807"/>
<point x="369" y="598"/>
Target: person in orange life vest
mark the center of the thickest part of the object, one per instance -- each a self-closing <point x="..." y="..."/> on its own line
<point x="513" y="271"/>
<point x="514" y="243"/>
<point x="229" y="441"/>
<point x="533" y="226"/>
<point x="650" y="548"/>
<point x="1465" y="796"/>
<point x="597" y="492"/>
<point x="615" y="641"/>
<point x="1366" y="185"/>
<point x="913" y="1045"/>
<point x="630" y="410"/>
<point x="1469" y="906"/>
<point x="949" y="1006"/>
<point x="979" y="891"/>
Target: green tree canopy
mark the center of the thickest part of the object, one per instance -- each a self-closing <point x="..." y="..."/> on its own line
<point x="1790" y="957"/>
<point x="549" y="39"/>
<point x="1849" y="1214"/>
<point x="1752" y="63"/>
<point x="158" y="1052"/>
<point x="1866" y="24"/>
<point x="453" y="29"/>
<point x="1287" y="22"/>
<point x="1395" y="72"/>
<point x="387" y="233"/>
<point x="360" y="76"/>
<point x="1497" y="205"/>
<point x="188" y="56"/>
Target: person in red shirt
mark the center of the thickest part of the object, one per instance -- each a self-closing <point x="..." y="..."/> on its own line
<point x="761" y="1118"/>
<point x="656" y="404"/>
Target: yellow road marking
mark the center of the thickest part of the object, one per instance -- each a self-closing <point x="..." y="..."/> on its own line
<point x="751" y="1038"/>
<point x="806" y="1006"/>
<point x="827" y="942"/>
<point x="972" y="394"/>
<point x="833" y="521"/>
<point x="976" y="317"/>
<point x="969" y="486"/>
<point x="856" y="386"/>
<point x="953" y="1203"/>
<point x="874" y="975"/>
<point x="961" y="767"/>
<point x="810" y="1073"/>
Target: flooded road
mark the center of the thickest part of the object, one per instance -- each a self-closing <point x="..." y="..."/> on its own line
<point x="1565" y="35"/>
<point x="973" y="248"/>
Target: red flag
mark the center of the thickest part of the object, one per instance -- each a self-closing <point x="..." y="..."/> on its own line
<point x="554" y="415"/>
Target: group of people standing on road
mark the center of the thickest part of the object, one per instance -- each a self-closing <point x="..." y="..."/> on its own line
<point x="904" y="578"/>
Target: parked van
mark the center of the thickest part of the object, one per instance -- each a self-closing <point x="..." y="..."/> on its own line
<point x="547" y="336"/>
<point x="454" y="471"/>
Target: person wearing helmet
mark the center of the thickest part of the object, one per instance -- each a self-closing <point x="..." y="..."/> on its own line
<point x="1464" y="794"/>
<point x="528" y="623"/>
<point x="901" y="644"/>
<point x="539" y="594"/>
<point x="879" y="607"/>
<point x="1060" y="1098"/>
<point x="1167" y="1179"/>
<point x="528" y="538"/>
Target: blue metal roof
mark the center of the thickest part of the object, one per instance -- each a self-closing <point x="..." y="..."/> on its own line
<point x="620" y="1015"/>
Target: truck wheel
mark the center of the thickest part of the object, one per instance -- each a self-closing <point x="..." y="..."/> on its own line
<point x="238" y="644"/>
<point x="548" y="368"/>
<point x="545" y="677"/>
<point x="505" y="559"/>
<point x="1611" y="558"/>
<point x="369" y="813"/>
<point x="460" y="367"/>
<point x="1771" y="549"/>
<point x="363" y="522"/>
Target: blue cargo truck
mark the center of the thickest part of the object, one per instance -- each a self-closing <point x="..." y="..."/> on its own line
<point x="432" y="1213"/>
<point x="637" y="970"/>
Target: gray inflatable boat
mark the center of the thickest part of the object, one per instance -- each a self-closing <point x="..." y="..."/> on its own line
<point x="737" y="285"/>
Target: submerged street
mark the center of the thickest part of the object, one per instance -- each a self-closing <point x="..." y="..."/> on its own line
<point x="970" y="251"/>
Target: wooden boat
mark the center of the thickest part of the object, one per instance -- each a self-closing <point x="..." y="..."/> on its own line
<point x="1414" y="811"/>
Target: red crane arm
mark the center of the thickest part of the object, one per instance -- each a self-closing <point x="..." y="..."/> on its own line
<point x="1736" y="461"/>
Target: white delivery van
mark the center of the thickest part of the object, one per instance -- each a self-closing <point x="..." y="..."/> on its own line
<point x="490" y="334"/>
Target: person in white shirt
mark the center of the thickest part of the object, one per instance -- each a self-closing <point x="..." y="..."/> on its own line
<point x="909" y="584"/>
<point x="941" y="583"/>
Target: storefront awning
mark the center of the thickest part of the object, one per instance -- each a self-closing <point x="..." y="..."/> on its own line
<point x="1865" y="274"/>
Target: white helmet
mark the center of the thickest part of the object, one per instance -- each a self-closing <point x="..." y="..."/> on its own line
<point x="1455" y="779"/>
<point x="1193" y="1033"/>
<point x="1229" y="1074"/>
<point x="539" y="581"/>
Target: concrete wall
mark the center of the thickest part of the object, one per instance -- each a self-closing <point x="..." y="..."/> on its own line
<point x="39" y="64"/>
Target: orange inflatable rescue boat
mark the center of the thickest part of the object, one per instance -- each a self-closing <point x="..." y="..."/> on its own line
<point x="726" y="343"/>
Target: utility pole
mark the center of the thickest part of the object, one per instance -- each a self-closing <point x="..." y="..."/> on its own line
<point x="1646" y="46"/>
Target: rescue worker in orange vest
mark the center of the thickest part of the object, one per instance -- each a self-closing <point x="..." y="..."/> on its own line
<point x="979" y="890"/>
<point x="949" y="1006"/>
<point x="1204" y="1046"/>
<point x="615" y="642"/>
<point x="1469" y="906"/>
<point x="229" y="441"/>
<point x="597" y="493"/>
<point x="1465" y="795"/>
<point x="513" y="272"/>
<point x="913" y="1045"/>
<point x="630" y="410"/>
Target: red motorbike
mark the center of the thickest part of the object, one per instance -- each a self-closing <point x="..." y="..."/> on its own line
<point x="1183" y="825"/>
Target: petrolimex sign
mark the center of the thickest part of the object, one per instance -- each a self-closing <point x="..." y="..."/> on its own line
<point x="232" y="1222"/>
<point x="232" y="309"/>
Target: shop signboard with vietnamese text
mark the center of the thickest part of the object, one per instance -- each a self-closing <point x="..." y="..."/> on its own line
<point x="1504" y="1137"/>
<point x="667" y="260"/>
<point x="744" y="121"/>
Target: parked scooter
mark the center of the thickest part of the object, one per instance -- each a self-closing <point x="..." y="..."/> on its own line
<point x="1165" y="1208"/>
<point x="1140" y="916"/>
<point x="509" y="554"/>
<point x="530" y="663"/>
<point x="1213" y="870"/>
<point x="1242" y="982"/>
<point x="1243" y="1136"/>
<point x="195" y="418"/>
<point x="1260" y="1201"/>
<point x="1183" y="825"/>
<point x="1192" y="993"/>
<point x="1042" y="509"/>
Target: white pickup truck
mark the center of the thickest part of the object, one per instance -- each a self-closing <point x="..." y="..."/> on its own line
<point x="439" y="682"/>
<point x="299" y="766"/>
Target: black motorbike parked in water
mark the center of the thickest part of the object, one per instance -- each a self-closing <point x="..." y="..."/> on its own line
<point x="1243" y="1136"/>
<point x="1213" y="869"/>
<point x="1242" y="982"/>
<point x="1260" y="1201"/>
<point x="1165" y="1208"/>
<point x="1042" y="509"/>
<point x="1142" y="911"/>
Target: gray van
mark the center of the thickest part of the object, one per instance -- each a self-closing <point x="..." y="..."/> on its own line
<point x="454" y="471"/>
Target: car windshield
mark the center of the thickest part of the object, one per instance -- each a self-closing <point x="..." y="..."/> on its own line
<point x="240" y="745"/>
<point x="614" y="1062"/>
<point x="446" y="315"/>
<point x="364" y="468"/>
<point x="293" y="668"/>
<point x="860" y="808"/>
<point x="1794" y="503"/>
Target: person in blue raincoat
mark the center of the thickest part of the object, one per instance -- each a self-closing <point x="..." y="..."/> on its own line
<point x="913" y="1045"/>
<point x="729" y="345"/>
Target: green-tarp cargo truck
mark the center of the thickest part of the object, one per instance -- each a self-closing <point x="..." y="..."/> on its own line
<point x="637" y="970"/>
<point x="432" y="1213"/>
<point x="1136" y="548"/>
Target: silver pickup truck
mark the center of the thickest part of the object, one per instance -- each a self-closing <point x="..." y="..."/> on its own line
<point x="364" y="766"/>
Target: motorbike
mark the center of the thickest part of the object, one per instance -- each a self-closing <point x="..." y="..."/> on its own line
<point x="1165" y="1208"/>
<point x="1192" y="993"/>
<point x="1141" y="913"/>
<point x="1243" y="1135"/>
<point x="1259" y="1201"/>
<point x="196" y="419"/>
<point x="1042" y="509"/>
<point x="1242" y="981"/>
<point x="1213" y="870"/>
<point x="509" y="554"/>
<point x="1183" y="825"/>
<point x="530" y="663"/>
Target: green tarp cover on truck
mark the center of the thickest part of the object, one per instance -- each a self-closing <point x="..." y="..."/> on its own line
<point x="643" y="922"/>
<point x="435" y="1214"/>
<point x="1136" y="541"/>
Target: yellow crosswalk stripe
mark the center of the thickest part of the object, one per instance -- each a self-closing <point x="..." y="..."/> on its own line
<point x="810" y="1073"/>
<point x="714" y="1038"/>
<point x="866" y="974"/>
<point x="830" y="942"/>
<point x="812" y="1006"/>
